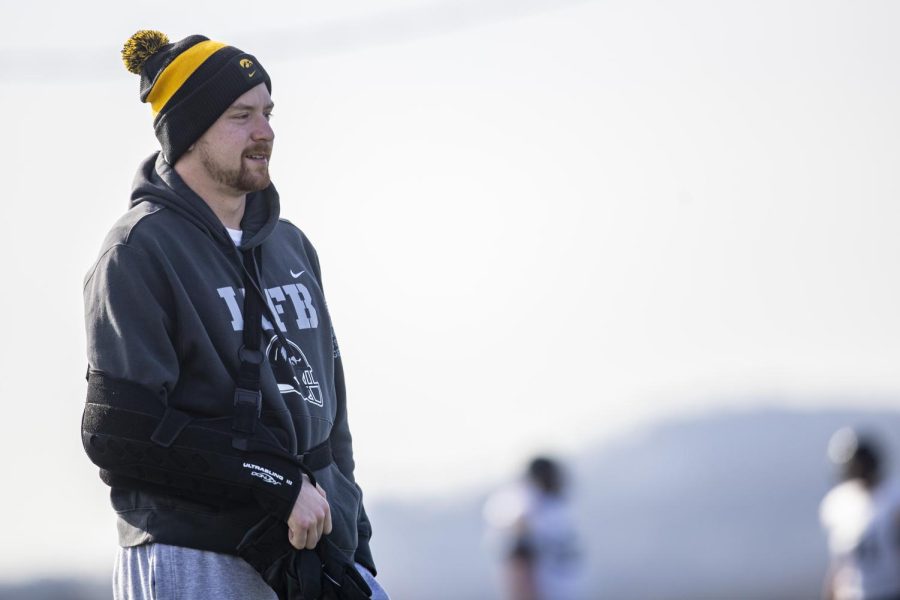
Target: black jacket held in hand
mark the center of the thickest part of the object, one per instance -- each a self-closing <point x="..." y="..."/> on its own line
<point x="164" y="315"/>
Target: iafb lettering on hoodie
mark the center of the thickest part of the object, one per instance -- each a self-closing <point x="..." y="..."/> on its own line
<point x="293" y="372"/>
<point x="277" y="297"/>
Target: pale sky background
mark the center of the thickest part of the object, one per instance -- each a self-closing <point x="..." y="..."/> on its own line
<point x="541" y="223"/>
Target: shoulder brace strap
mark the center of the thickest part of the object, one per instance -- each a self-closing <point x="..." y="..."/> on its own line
<point x="123" y="424"/>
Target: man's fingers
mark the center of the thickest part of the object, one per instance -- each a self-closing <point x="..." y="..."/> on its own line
<point x="311" y="542"/>
<point x="297" y="538"/>
<point x="310" y="518"/>
<point x="327" y="521"/>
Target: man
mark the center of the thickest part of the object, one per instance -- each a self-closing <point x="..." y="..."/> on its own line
<point x="216" y="407"/>
<point x="861" y="516"/>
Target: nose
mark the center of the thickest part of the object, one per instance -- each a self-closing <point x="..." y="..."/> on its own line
<point x="263" y="130"/>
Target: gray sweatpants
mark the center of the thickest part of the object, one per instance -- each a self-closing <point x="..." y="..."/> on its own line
<point x="161" y="572"/>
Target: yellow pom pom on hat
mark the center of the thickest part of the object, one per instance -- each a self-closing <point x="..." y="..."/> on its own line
<point x="141" y="46"/>
<point x="188" y="83"/>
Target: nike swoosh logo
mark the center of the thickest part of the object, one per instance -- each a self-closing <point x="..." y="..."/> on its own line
<point x="251" y="74"/>
<point x="296" y="275"/>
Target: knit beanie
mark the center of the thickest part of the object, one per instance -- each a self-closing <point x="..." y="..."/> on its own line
<point x="188" y="84"/>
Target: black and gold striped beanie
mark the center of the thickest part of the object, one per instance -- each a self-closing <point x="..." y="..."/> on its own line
<point x="188" y="84"/>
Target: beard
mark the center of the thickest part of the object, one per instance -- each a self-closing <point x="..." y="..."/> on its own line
<point x="243" y="179"/>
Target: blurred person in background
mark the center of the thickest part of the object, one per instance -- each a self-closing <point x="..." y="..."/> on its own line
<point x="861" y="516"/>
<point x="539" y="545"/>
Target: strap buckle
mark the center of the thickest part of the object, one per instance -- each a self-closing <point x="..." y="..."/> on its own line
<point x="247" y="410"/>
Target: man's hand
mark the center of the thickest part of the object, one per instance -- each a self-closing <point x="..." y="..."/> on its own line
<point x="310" y="517"/>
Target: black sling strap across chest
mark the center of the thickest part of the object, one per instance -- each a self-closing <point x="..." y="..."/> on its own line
<point x="247" y="393"/>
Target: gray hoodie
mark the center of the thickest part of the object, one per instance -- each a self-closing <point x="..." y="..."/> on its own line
<point x="164" y="317"/>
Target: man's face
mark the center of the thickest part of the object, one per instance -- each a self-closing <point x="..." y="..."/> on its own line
<point x="235" y="151"/>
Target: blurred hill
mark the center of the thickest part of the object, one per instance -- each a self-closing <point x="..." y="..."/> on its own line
<point x="718" y="507"/>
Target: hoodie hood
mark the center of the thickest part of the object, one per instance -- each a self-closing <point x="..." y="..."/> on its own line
<point x="157" y="181"/>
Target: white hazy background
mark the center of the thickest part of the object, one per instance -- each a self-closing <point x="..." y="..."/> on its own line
<point x="541" y="223"/>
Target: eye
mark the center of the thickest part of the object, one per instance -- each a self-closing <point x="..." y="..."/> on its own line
<point x="268" y="115"/>
<point x="240" y="116"/>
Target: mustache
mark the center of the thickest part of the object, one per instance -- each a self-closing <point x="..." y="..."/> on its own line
<point x="260" y="148"/>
